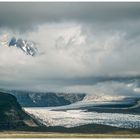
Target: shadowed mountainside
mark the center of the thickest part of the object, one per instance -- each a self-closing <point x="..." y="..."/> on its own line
<point x="11" y="113"/>
<point x="49" y="99"/>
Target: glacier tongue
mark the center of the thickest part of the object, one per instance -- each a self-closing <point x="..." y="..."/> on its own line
<point x="72" y="118"/>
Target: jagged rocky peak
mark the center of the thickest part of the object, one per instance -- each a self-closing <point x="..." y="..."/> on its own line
<point x="26" y="46"/>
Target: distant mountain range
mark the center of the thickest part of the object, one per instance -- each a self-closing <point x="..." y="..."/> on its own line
<point x="49" y="99"/>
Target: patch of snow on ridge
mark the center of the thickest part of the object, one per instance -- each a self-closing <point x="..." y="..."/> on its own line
<point x="96" y="98"/>
<point x="72" y="118"/>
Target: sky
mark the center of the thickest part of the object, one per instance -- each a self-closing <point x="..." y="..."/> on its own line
<point x="85" y="47"/>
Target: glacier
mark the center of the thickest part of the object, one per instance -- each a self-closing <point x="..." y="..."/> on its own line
<point x="73" y="118"/>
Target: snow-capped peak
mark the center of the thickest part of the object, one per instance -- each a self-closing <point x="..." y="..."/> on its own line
<point x="26" y="46"/>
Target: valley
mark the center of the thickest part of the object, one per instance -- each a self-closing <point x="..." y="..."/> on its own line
<point x="76" y="119"/>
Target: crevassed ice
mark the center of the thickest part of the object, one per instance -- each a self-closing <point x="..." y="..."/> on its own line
<point x="72" y="118"/>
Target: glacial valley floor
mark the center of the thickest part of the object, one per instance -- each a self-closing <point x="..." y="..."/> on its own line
<point x="23" y="134"/>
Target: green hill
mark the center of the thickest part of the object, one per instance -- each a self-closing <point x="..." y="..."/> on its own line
<point x="11" y="113"/>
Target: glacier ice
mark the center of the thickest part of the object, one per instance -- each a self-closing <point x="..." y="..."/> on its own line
<point x="72" y="118"/>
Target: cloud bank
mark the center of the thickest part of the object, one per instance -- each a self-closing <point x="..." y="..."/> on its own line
<point x="93" y="48"/>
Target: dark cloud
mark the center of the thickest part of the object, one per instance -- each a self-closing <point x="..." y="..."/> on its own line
<point x="23" y="15"/>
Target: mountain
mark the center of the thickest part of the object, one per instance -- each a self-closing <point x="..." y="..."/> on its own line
<point x="12" y="115"/>
<point x="26" y="46"/>
<point x="37" y="99"/>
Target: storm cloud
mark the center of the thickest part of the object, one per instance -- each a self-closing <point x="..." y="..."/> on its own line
<point x="83" y="47"/>
<point x="22" y="14"/>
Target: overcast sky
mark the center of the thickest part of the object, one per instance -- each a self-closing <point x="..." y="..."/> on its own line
<point x="83" y="47"/>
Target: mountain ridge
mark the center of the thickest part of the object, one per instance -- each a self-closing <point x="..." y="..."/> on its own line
<point x="48" y="99"/>
<point x="11" y="113"/>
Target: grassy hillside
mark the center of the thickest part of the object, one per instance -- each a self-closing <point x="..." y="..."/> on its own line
<point x="11" y="113"/>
